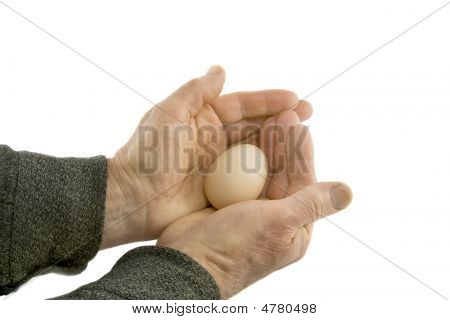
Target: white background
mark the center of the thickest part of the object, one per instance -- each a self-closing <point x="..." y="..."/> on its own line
<point x="380" y="127"/>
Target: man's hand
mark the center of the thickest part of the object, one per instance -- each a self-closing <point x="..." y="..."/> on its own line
<point x="244" y="242"/>
<point x="157" y="176"/>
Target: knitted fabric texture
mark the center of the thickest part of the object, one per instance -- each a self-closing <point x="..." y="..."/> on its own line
<point x="51" y="219"/>
<point x="51" y="214"/>
<point x="151" y="273"/>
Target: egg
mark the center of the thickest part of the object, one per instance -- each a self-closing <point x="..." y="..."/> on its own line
<point x="238" y="174"/>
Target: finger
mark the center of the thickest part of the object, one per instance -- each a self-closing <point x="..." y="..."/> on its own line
<point x="300" y="157"/>
<point x="315" y="201"/>
<point x="272" y="139"/>
<point x="278" y="166"/>
<point x="241" y="130"/>
<point x="210" y="140"/>
<point x="246" y="127"/>
<point x="304" y="110"/>
<point x="190" y="97"/>
<point x="267" y="144"/>
<point x="237" y="106"/>
<point x="301" y="173"/>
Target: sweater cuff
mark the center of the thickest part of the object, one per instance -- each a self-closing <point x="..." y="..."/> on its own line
<point x="56" y="217"/>
<point x="151" y="273"/>
<point x="9" y="162"/>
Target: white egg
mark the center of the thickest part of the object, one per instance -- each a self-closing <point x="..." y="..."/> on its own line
<point x="238" y="174"/>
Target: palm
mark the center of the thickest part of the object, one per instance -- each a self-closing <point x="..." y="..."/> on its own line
<point x="222" y="240"/>
<point x="182" y="136"/>
<point x="293" y="171"/>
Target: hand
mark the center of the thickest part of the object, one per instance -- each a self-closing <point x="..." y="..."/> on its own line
<point x="141" y="202"/>
<point x="244" y="242"/>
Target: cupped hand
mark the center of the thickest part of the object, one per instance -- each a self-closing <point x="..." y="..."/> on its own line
<point x="157" y="176"/>
<point x="244" y="242"/>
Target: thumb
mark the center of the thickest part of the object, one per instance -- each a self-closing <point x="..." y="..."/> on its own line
<point x="316" y="201"/>
<point x="197" y="92"/>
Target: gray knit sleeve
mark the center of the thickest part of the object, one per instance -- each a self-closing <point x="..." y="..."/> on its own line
<point x="51" y="214"/>
<point x="155" y="273"/>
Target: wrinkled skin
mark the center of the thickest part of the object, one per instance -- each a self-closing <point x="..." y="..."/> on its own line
<point x="141" y="203"/>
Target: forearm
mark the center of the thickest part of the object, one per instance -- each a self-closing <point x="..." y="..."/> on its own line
<point x="51" y="214"/>
<point x="151" y="273"/>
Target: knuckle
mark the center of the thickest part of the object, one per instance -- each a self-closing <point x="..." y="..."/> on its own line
<point x="310" y="207"/>
<point x="316" y="207"/>
<point x="193" y="83"/>
<point x="193" y="91"/>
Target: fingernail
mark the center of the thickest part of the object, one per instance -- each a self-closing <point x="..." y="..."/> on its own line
<point x="341" y="196"/>
<point x="213" y="70"/>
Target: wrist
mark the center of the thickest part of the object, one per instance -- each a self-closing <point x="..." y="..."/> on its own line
<point x="116" y="230"/>
<point x="211" y="263"/>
